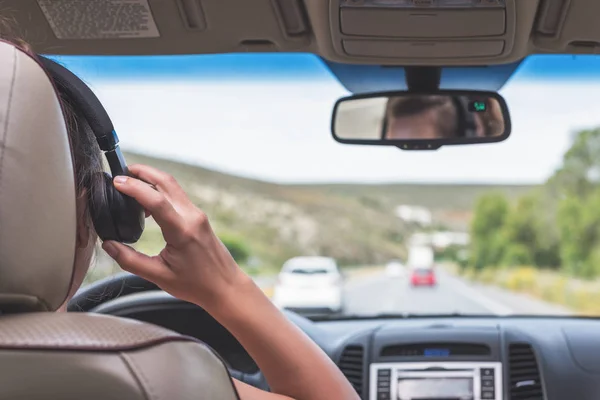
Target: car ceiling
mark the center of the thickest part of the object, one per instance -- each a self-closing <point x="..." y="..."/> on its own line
<point x="479" y="42"/>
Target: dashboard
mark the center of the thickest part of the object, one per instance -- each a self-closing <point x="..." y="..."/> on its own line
<point x="425" y="358"/>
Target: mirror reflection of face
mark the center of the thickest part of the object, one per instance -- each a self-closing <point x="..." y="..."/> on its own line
<point x="420" y="117"/>
<point x="441" y="117"/>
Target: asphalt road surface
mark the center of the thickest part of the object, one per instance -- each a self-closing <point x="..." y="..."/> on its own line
<point x="379" y="293"/>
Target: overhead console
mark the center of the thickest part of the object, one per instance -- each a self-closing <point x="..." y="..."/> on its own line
<point x="428" y="32"/>
<point x="417" y="19"/>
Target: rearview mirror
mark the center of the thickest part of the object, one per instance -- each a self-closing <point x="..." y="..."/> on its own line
<point x="421" y="121"/>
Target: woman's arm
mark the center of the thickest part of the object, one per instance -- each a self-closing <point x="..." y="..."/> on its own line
<point x="196" y="267"/>
<point x="292" y="363"/>
<point x="248" y="392"/>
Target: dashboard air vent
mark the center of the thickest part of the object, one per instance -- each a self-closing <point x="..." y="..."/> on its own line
<point x="351" y="364"/>
<point x="524" y="374"/>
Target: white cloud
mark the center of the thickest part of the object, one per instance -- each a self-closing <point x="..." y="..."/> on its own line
<point x="280" y="131"/>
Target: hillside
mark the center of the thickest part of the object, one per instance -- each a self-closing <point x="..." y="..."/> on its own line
<point x="353" y="223"/>
<point x="451" y="204"/>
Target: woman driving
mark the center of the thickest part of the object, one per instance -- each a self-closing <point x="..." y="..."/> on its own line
<point x="196" y="267"/>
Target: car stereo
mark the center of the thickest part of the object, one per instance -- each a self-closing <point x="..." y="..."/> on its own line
<point x="436" y="381"/>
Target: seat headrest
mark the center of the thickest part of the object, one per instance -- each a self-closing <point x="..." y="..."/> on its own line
<point x="37" y="188"/>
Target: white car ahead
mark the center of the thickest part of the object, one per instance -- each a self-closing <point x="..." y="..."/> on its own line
<point x="395" y="269"/>
<point x="310" y="285"/>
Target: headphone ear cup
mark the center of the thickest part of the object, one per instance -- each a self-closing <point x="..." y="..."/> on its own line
<point x="100" y="209"/>
<point x="115" y="216"/>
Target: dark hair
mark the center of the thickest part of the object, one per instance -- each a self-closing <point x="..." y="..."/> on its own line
<point x="87" y="157"/>
<point x="445" y="117"/>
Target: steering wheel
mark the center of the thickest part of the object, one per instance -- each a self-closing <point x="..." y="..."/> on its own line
<point x="108" y="289"/>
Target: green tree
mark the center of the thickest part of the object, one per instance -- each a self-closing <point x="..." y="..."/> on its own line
<point x="579" y="224"/>
<point x="570" y="222"/>
<point x="547" y="252"/>
<point x="237" y="248"/>
<point x="531" y="238"/>
<point x="520" y="233"/>
<point x="491" y="211"/>
<point x="516" y="254"/>
<point x="557" y="225"/>
<point x="576" y="186"/>
<point x="579" y="174"/>
<point x="591" y="234"/>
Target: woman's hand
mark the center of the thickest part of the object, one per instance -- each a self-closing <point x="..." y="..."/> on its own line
<point x="194" y="265"/>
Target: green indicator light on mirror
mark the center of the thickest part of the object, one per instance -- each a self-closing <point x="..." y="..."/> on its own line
<point x="479" y="106"/>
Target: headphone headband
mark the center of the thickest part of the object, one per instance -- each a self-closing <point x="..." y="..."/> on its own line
<point x="115" y="216"/>
<point x="87" y="103"/>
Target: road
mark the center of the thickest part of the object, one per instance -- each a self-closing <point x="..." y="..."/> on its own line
<point x="378" y="293"/>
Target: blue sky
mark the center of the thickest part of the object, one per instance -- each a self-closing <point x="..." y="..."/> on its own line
<point x="277" y="66"/>
<point x="268" y="117"/>
<point x="243" y="67"/>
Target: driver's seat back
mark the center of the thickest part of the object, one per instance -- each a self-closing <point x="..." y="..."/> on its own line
<point x="79" y="356"/>
<point x="55" y="355"/>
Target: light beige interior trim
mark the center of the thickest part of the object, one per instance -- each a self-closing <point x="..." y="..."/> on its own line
<point x="262" y="26"/>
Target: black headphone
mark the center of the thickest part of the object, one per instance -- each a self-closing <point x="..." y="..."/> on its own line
<point x="115" y="215"/>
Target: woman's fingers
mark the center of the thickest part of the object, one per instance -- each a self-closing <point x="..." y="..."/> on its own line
<point x="159" y="179"/>
<point x="149" y="268"/>
<point x="154" y="202"/>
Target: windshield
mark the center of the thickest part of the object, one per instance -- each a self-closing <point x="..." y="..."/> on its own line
<point x="508" y="228"/>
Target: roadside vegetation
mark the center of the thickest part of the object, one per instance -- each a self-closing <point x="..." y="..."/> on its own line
<point x="546" y="243"/>
<point x="263" y="224"/>
<point x="579" y="295"/>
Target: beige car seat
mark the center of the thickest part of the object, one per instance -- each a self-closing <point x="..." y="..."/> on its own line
<point x="62" y="356"/>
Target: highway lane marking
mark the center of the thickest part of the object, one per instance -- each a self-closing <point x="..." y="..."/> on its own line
<point x="479" y="298"/>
